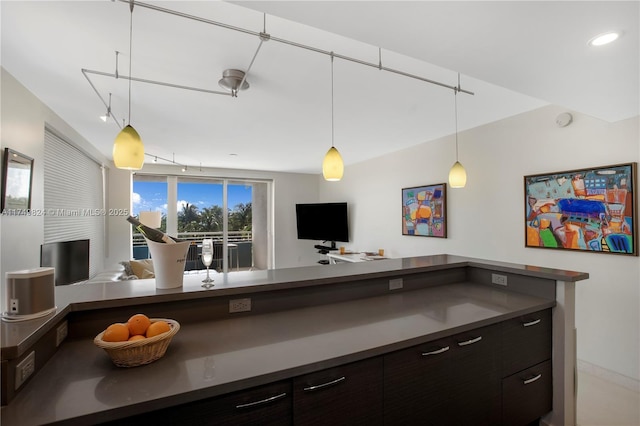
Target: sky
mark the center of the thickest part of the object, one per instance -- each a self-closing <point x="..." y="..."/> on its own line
<point x="152" y="196"/>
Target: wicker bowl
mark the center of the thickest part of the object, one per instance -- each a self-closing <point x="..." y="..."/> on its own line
<point x="139" y="352"/>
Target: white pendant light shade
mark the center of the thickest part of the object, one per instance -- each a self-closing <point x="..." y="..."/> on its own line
<point x="457" y="176"/>
<point x="128" y="149"/>
<point x="332" y="166"/>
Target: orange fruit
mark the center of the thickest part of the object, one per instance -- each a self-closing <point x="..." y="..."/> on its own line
<point x="158" y="327"/>
<point x="136" y="337"/>
<point x="117" y="332"/>
<point x="138" y="324"/>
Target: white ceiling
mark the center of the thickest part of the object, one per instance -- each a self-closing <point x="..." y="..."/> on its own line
<point x="516" y="56"/>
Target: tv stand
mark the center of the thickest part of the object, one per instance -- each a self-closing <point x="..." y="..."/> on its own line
<point x="327" y="248"/>
<point x="324" y="250"/>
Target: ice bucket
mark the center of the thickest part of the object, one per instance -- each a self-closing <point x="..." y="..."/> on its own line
<point x="168" y="262"/>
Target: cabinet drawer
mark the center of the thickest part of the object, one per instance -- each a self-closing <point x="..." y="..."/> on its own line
<point x="417" y="384"/>
<point x="452" y="381"/>
<point x="527" y="395"/>
<point x="526" y="341"/>
<point x="264" y="405"/>
<point x="345" y="395"/>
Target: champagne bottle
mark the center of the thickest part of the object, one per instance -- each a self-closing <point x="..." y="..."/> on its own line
<point x="150" y="233"/>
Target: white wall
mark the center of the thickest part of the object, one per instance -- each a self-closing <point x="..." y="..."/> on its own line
<point x="486" y="217"/>
<point x="22" y="122"/>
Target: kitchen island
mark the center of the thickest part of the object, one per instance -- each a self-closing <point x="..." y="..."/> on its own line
<point x="303" y="321"/>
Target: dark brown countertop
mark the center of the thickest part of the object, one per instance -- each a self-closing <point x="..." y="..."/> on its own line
<point x="15" y="338"/>
<point x="210" y="358"/>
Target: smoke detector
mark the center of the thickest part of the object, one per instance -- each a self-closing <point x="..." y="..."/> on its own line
<point x="232" y="79"/>
<point x="564" y="119"/>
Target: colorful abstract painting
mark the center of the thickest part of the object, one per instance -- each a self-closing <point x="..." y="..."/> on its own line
<point x="586" y="210"/>
<point x="424" y="211"/>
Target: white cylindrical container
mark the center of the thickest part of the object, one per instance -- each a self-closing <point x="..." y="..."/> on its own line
<point x="168" y="262"/>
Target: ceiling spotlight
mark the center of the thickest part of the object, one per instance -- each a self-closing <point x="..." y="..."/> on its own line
<point x="106" y="116"/>
<point x="606" y="38"/>
<point x="233" y="80"/>
<point x="184" y="168"/>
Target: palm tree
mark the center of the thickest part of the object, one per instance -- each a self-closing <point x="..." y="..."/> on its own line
<point x="188" y="218"/>
<point x="211" y="219"/>
<point x="240" y="217"/>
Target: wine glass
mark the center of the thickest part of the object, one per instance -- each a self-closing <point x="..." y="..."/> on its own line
<point x="207" y="258"/>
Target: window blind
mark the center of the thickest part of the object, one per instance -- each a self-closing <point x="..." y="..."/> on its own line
<point x="73" y="198"/>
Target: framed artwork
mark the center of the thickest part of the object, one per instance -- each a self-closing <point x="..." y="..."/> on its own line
<point x="17" y="175"/>
<point x="590" y="209"/>
<point x="424" y="211"/>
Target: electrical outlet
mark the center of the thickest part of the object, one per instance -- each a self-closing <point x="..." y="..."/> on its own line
<point x="61" y="333"/>
<point x="239" y="305"/>
<point x="14" y="306"/>
<point x="25" y="368"/>
<point x="395" y="284"/>
<point x="499" y="279"/>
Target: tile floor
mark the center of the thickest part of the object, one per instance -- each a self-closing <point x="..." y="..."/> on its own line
<point x="602" y="403"/>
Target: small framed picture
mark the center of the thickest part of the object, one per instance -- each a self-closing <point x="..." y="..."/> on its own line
<point x="424" y="211"/>
<point x="17" y="175"/>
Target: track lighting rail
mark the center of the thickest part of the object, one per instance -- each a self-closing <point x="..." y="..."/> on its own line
<point x="160" y="83"/>
<point x="264" y="36"/>
<point x="117" y="75"/>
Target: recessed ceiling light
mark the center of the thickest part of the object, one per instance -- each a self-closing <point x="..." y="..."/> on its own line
<point x="233" y="155"/>
<point x="606" y="38"/>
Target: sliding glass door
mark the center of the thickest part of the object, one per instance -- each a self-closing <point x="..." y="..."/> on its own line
<point x="234" y="213"/>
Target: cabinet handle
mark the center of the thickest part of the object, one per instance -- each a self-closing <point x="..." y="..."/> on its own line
<point x="262" y="401"/>
<point x="470" y="342"/>
<point x="532" y="379"/>
<point x="324" y="385"/>
<point x="436" y="352"/>
<point x="529" y="324"/>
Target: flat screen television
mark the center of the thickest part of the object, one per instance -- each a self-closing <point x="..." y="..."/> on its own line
<point x="69" y="258"/>
<point x="322" y="221"/>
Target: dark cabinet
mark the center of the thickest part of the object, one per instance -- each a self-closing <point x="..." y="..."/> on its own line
<point x="475" y="378"/>
<point x="448" y="381"/>
<point x="527" y="341"/>
<point x="417" y="386"/>
<point x="527" y="387"/>
<point x="346" y="395"/>
<point x="268" y="405"/>
<point x="527" y="395"/>
<point x="499" y="374"/>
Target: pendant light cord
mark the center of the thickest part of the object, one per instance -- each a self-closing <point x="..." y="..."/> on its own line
<point x="130" y="54"/>
<point x="455" y="103"/>
<point x="332" y="131"/>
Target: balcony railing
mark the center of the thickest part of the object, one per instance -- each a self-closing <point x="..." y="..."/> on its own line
<point x="234" y="237"/>
<point x="240" y="254"/>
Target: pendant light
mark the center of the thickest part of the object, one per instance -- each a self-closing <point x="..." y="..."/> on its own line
<point x="457" y="174"/>
<point x="128" y="149"/>
<point x="332" y="166"/>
